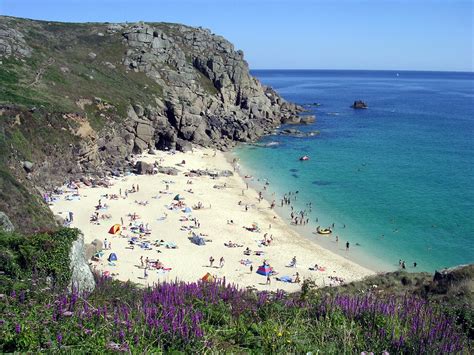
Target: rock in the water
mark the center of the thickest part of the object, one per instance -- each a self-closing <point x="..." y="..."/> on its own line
<point x="306" y="119"/>
<point x="82" y="279"/>
<point x="5" y="223"/>
<point x="28" y="166"/>
<point x="297" y="133"/>
<point x="359" y="104"/>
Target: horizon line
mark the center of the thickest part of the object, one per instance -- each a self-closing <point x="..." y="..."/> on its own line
<point x="382" y="70"/>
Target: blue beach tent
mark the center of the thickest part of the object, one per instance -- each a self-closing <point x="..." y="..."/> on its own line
<point x="198" y="240"/>
<point x="112" y="257"/>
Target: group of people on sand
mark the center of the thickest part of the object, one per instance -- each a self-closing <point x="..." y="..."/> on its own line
<point x="221" y="262"/>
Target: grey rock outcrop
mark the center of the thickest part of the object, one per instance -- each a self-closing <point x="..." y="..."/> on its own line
<point x="12" y="43"/>
<point x="82" y="278"/>
<point x="210" y="97"/>
<point x="5" y="224"/>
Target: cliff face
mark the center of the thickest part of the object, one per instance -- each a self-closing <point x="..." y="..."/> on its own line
<point x="80" y="99"/>
<point x="208" y="96"/>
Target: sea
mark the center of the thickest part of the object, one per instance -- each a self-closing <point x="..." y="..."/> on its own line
<point x="395" y="179"/>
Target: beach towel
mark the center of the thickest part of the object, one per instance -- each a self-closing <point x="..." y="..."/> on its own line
<point x="170" y="245"/>
<point x="246" y="262"/>
<point x="285" y="279"/>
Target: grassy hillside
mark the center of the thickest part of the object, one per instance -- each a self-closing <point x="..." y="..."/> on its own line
<point x="61" y="76"/>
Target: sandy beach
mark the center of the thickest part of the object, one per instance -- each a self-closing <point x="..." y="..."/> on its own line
<point x="223" y="199"/>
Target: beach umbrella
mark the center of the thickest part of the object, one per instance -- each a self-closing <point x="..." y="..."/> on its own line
<point x="187" y="210"/>
<point x="264" y="270"/>
<point x="177" y="197"/>
<point x="115" y="229"/>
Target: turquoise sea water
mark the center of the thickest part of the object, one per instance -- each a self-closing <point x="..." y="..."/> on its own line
<point x="399" y="175"/>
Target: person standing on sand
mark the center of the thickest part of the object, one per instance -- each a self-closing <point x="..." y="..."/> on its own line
<point x="141" y="261"/>
<point x="221" y="262"/>
<point x="251" y="268"/>
<point x="269" y="280"/>
<point x="337" y="239"/>
<point x="211" y="261"/>
<point x="347" y="246"/>
<point x="145" y="273"/>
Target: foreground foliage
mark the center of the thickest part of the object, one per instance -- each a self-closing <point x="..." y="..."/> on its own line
<point x="40" y="256"/>
<point x="197" y="316"/>
<point x="38" y="315"/>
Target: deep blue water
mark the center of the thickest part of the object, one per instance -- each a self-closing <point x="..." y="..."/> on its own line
<point x="399" y="175"/>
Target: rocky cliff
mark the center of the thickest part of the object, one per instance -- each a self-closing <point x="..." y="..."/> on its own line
<point x="81" y="98"/>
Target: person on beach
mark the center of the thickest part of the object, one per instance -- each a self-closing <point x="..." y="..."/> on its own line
<point x="269" y="280"/>
<point x="337" y="239"/>
<point x="145" y="272"/>
<point x="141" y="261"/>
<point x="297" y="278"/>
<point x="221" y="262"/>
<point x="71" y="216"/>
<point x="251" y="268"/>
<point x="347" y="246"/>
<point x="211" y="261"/>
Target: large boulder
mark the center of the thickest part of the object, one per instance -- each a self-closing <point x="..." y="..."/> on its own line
<point x="183" y="146"/>
<point x="306" y="119"/>
<point x="28" y="166"/>
<point x="82" y="279"/>
<point x="143" y="168"/>
<point x="168" y="170"/>
<point x="5" y="224"/>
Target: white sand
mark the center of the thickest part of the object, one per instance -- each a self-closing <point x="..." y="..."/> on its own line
<point x="190" y="262"/>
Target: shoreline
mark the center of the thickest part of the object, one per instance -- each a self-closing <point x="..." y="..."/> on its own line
<point x="222" y="195"/>
<point x="308" y="232"/>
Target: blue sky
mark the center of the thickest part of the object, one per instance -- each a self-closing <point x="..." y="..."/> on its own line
<point x="300" y="34"/>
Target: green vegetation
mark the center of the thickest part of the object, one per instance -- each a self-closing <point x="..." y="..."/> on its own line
<point x="41" y="255"/>
<point x="201" y="317"/>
